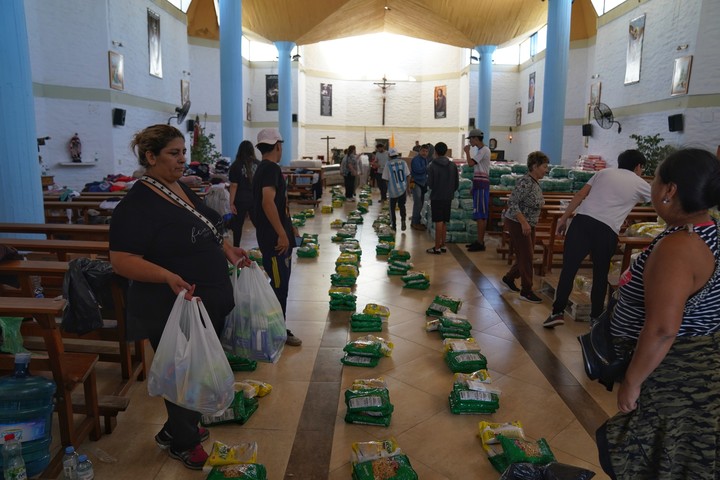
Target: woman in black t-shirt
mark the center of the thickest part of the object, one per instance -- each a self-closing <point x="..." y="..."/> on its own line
<point x="163" y="246"/>
<point x="241" y="197"/>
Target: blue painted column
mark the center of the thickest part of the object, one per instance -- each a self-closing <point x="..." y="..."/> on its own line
<point x="231" y="64"/>
<point x="482" y="120"/>
<point x="20" y="187"/>
<point x="285" y="99"/>
<point x="556" y="67"/>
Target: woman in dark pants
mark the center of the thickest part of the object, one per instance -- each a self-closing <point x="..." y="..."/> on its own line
<point x="165" y="240"/>
<point x="241" y="176"/>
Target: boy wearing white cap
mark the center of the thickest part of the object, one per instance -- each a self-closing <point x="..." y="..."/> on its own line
<point x="273" y="227"/>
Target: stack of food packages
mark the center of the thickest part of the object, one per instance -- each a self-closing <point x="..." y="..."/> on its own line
<point x="380" y="460"/>
<point x="402" y="255"/>
<point x="415" y="279"/>
<point x="374" y="309"/>
<point x="338" y="198"/>
<point x="398" y="267"/>
<point x="310" y="247"/>
<point x="385" y="233"/>
<point x="355" y="217"/>
<point x="450" y="325"/>
<point x="443" y="304"/>
<point x="384" y="248"/>
<point x="337" y="224"/>
<point x="352" y="246"/>
<point x="368" y="402"/>
<point x="240" y="364"/>
<point x="463" y="355"/>
<point x="364" y="322"/>
<point x="298" y="220"/>
<point x="327" y="209"/>
<point x="363" y="207"/>
<point x="234" y="461"/>
<point x="346" y="231"/>
<point x="243" y="405"/>
<point x="342" y="298"/>
<point x="382" y="219"/>
<point x="579" y="178"/>
<point x="366" y="351"/>
<point x="472" y="394"/>
<point x="505" y="444"/>
<point x="461" y="228"/>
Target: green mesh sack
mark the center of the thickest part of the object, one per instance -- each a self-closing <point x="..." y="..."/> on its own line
<point x="518" y="450"/>
<point x="519" y="168"/>
<point x="456" y="226"/>
<point x="396" y="467"/>
<point x="242" y="471"/>
<point x="464" y="184"/>
<point x="559" y="172"/>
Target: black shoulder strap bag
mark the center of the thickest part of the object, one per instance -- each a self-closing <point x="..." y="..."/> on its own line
<point x="602" y="363"/>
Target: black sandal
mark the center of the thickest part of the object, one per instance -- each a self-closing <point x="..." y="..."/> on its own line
<point x="433" y="250"/>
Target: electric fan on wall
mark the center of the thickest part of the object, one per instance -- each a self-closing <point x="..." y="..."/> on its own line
<point x="181" y="113"/>
<point x="604" y="117"/>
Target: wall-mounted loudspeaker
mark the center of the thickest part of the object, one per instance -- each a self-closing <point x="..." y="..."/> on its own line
<point x="190" y="125"/>
<point x="675" y="122"/>
<point x="587" y="129"/>
<point x="471" y="122"/>
<point x="118" y="115"/>
<point x="294" y="117"/>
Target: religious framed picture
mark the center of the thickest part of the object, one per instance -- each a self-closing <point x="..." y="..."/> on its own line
<point x="518" y="116"/>
<point x="116" y="66"/>
<point x="531" y="93"/>
<point x="326" y="99"/>
<point x="636" y="34"/>
<point x="154" y="51"/>
<point x="440" y="101"/>
<point x="271" y="93"/>
<point x="184" y="91"/>
<point x="595" y="93"/>
<point x="681" y="75"/>
<point x="492" y="143"/>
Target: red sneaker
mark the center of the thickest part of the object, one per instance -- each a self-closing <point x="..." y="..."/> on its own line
<point x="193" y="458"/>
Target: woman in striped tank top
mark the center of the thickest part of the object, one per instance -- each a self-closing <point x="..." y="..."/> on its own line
<point x="668" y="312"/>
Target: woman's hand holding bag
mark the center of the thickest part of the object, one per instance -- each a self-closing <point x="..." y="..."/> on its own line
<point x="190" y="368"/>
<point x="255" y="328"/>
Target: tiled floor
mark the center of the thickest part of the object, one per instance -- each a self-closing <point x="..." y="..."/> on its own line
<point x="299" y="427"/>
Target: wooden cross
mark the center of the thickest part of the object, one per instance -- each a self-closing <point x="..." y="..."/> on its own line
<point x="384" y="85"/>
<point x="327" y="139"/>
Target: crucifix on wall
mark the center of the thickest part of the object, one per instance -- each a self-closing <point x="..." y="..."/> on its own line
<point x="384" y="86"/>
<point x="327" y="140"/>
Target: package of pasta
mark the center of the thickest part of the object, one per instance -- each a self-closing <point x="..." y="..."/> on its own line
<point x="326" y="209"/>
<point x="310" y="237"/>
<point x="240" y="364"/>
<point x="253" y="388"/>
<point x="518" y="450"/>
<point x="368" y="418"/>
<point x="452" y="303"/>
<point x="473" y="378"/>
<point x="338" y="280"/>
<point x="337" y="203"/>
<point x="337" y="223"/>
<point x="372" y="450"/>
<point x="465" y="361"/>
<point x="368" y="400"/>
<point x="359" y="361"/>
<point x="249" y="471"/>
<point x="347" y="259"/>
<point x="309" y="212"/>
<point x="488" y="431"/>
<point x="402" y="255"/>
<point x="239" y="411"/>
<point x="376" y="309"/>
<point x="466" y="345"/>
<point x="496" y="457"/>
<point x="222" y="454"/>
<point x="368" y="383"/>
<point x="396" y="467"/>
<point x="347" y="270"/>
<point x="307" y="251"/>
<point x="369" y="346"/>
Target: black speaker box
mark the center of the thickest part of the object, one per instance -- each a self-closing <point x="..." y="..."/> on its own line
<point x="118" y="116"/>
<point x="675" y="122"/>
<point x="190" y="125"/>
<point x="471" y="122"/>
<point x="294" y="117"/>
<point x="587" y="129"/>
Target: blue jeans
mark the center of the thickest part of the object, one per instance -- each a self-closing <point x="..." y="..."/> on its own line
<point x="418" y="195"/>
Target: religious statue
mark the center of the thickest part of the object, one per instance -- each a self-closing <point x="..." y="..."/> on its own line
<point x="75" y="148"/>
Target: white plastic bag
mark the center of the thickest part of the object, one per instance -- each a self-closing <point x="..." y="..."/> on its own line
<point x="255" y="328"/>
<point x="190" y="368"/>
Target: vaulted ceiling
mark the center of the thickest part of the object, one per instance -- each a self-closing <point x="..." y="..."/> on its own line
<point x="462" y="23"/>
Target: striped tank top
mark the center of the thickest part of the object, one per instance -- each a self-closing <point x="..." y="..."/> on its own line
<point x="702" y="310"/>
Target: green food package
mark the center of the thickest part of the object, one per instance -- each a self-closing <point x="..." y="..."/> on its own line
<point x="365" y="318"/>
<point x="387" y="237"/>
<point x="366" y="327"/>
<point x="413" y="275"/>
<point x="359" y="361"/>
<point x="242" y="471"/>
<point x="391" y="270"/>
<point x="455" y="321"/>
<point x="396" y="467"/>
<point x="417" y="284"/>
<point x="307" y="252"/>
<point x="338" y="280"/>
<point x="402" y="255"/>
<point x="453" y="303"/>
<point x="436" y="310"/>
<point x="368" y="400"/>
<point x="239" y="411"/>
<point x="465" y="362"/>
<point x="362" y="418"/>
<point x="518" y="450"/>
<point x="364" y="347"/>
<point x="240" y="364"/>
<point x="466" y="401"/>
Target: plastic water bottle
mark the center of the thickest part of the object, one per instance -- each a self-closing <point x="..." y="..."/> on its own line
<point x="13" y="463"/>
<point x="70" y="464"/>
<point x="85" y="468"/>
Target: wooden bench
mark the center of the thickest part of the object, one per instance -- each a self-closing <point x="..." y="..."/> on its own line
<point x="68" y="371"/>
<point x="79" y="210"/>
<point x="59" y="231"/>
<point x="109" y="342"/>
<point x="60" y="248"/>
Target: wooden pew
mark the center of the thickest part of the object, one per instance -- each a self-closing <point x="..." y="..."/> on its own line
<point x="79" y="210"/>
<point x="59" y="248"/>
<point x="69" y="370"/>
<point x="59" y="230"/>
<point x="108" y="342"/>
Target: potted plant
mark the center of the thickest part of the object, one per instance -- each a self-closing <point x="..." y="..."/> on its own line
<point x="655" y="152"/>
<point x="203" y="149"/>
